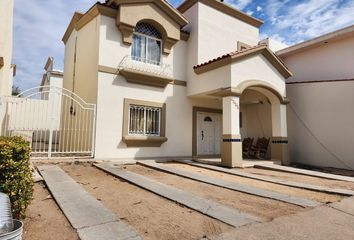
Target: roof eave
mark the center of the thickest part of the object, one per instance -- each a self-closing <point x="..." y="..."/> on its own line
<point x="231" y="11"/>
<point x="229" y="59"/>
<point x="315" y="42"/>
<point x="170" y="10"/>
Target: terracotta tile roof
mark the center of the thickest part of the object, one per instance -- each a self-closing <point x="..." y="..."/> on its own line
<point x="260" y="46"/>
<point x="238" y="55"/>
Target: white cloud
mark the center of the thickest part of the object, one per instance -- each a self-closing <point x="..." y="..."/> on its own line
<point x="308" y="19"/>
<point x="249" y="12"/>
<point x="259" y="8"/>
<point x="38" y="30"/>
<point x="239" y="4"/>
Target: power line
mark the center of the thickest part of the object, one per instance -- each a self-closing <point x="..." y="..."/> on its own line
<point x="318" y="140"/>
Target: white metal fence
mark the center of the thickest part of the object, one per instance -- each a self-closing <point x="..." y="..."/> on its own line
<point x="56" y="121"/>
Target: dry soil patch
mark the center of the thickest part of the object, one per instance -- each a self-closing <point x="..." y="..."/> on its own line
<point x="45" y="220"/>
<point x="317" y="196"/>
<point x="153" y="217"/>
<point x="257" y="206"/>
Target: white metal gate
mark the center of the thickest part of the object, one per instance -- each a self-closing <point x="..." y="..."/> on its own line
<point x="56" y="121"/>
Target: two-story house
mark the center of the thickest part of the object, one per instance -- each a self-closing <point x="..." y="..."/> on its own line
<point x="183" y="82"/>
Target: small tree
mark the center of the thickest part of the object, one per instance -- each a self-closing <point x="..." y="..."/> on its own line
<point x="15" y="90"/>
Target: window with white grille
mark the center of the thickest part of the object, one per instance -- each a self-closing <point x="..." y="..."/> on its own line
<point x="147" y="43"/>
<point x="144" y="120"/>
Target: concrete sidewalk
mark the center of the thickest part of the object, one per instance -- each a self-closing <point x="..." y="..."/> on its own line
<point x="325" y="222"/>
<point x="86" y="214"/>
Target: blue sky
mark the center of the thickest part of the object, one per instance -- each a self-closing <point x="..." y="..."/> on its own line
<point x="40" y="25"/>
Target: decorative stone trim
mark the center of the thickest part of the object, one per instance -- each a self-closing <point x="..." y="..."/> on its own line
<point x="280" y="142"/>
<point x="237" y="92"/>
<point x="143" y="141"/>
<point x="127" y="33"/>
<point x="115" y="71"/>
<point x="184" y="36"/>
<point x="79" y="20"/>
<point x="145" y="79"/>
<point x="168" y="44"/>
<point x="241" y="46"/>
<point x="231" y="140"/>
<point x="194" y="126"/>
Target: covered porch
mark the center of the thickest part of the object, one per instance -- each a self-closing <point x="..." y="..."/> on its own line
<point x="250" y="85"/>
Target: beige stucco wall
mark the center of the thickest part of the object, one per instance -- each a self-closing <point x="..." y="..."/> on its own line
<point x="323" y="123"/>
<point x="331" y="61"/>
<point x="6" y="37"/>
<point x="218" y="33"/>
<point x="133" y="13"/>
<point x="257" y="68"/>
<point x="209" y="40"/>
<point x="69" y="55"/>
<point x="179" y="112"/>
<point x="239" y="75"/>
<point x="256" y="116"/>
<point x="86" y="67"/>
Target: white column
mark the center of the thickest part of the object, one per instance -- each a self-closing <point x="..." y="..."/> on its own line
<point x="231" y="151"/>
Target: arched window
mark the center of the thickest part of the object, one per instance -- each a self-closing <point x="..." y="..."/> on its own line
<point x="147" y="42"/>
<point x="208" y="119"/>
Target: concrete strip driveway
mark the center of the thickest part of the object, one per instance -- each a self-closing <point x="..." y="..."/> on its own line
<point x="86" y="214"/>
<point x="324" y="222"/>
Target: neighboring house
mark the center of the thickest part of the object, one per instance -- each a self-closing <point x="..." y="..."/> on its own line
<point x="7" y="69"/>
<point x="185" y="82"/>
<point x="321" y="92"/>
<point x="51" y="89"/>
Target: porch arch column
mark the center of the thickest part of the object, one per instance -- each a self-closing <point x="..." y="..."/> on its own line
<point x="231" y="147"/>
<point x="279" y="141"/>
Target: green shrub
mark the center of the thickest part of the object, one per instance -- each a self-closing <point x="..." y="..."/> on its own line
<point x="15" y="173"/>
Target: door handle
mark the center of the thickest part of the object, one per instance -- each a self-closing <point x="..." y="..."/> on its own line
<point x="202" y="135"/>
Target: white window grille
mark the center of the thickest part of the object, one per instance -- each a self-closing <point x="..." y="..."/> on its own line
<point x="147" y="44"/>
<point x="145" y="121"/>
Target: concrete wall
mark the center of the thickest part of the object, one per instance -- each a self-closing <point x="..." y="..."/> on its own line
<point x="321" y="124"/>
<point x="320" y="116"/>
<point x="6" y="37"/>
<point x="331" y="61"/>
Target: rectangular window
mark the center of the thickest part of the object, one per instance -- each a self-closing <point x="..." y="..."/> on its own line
<point x="146" y="49"/>
<point x="144" y="120"/>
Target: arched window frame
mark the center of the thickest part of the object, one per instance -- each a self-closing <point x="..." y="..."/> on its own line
<point x="145" y="45"/>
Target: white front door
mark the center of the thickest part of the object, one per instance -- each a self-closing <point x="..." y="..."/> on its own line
<point x="208" y="133"/>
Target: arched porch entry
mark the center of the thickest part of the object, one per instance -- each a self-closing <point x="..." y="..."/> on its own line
<point x="254" y="109"/>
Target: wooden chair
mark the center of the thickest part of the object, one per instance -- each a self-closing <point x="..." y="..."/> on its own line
<point x="259" y="150"/>
<point x="246" y="146"/>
